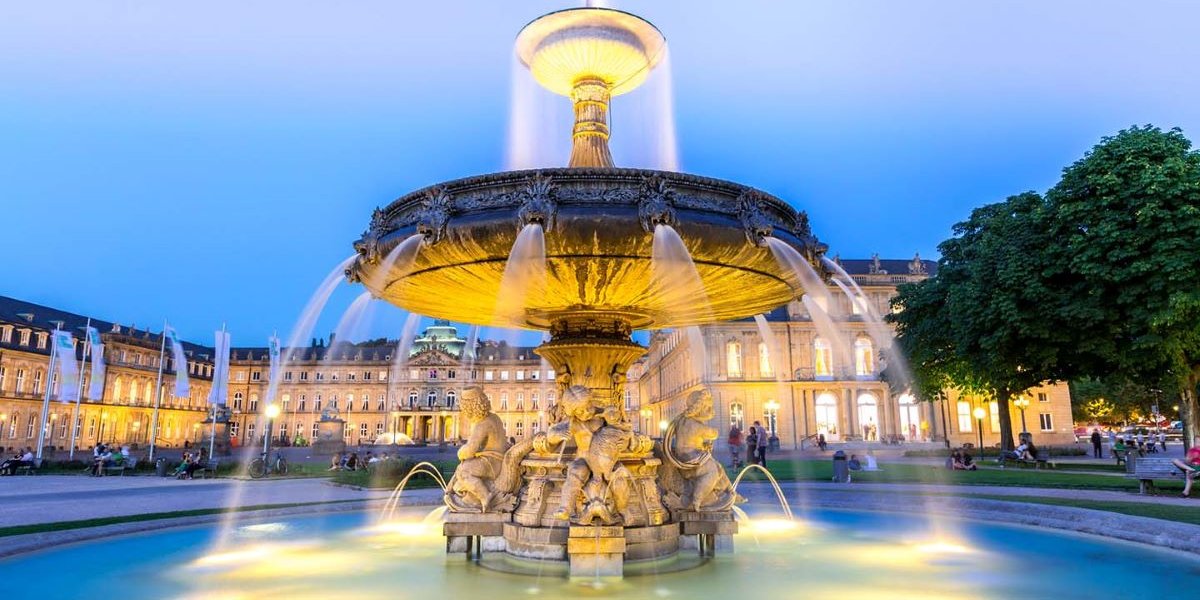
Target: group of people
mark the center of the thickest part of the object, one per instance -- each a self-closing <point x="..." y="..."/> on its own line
<point x="1024" y="451"/>
<point x="1190" y="465"/>
<point x="757" y="439"/>
<point x="22" y="458"/>
<point x="104" y="455"/>
<point x="190" y="463"/>
<point x="961" y="460"/>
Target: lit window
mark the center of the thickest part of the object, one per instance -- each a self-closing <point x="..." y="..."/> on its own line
<point x="822" y="358"/>
<point x="520" y="428"/>
<point x="503" y="375"/>
<point x="994" y="412"/>
<point x="1046" y="421"/>
<point x="864" y="357"/>
<point x="450" y="398"/>
<point x="733" y="358"/>
<point x="489" y="375"/>
<point x="520" y="400"/>
<point x="764" y="360"/>
<point x="964" y="416"/>
<point x="503" y="400"/>
<point x="737" y="416"/>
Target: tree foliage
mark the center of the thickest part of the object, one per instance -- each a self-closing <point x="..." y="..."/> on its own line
<point x="1100" y="278"/>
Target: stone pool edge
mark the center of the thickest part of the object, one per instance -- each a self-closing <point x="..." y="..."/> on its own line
<point x="1128" y="528"/>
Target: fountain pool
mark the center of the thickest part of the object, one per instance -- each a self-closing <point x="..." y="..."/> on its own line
<point x="827" y="553"/>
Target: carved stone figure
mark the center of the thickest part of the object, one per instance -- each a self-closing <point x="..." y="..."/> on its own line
<point x="597" y="486"/>
<point x="473" y="488"/>
<point x="434" y="215"/>
<point x="876" y="266"/>
<point x="690" y="477"/>
<point x="755" y="223"/>
<point x="916" y="266"/>
<point x="538" y="204"/>
<point x="656" y="204"/>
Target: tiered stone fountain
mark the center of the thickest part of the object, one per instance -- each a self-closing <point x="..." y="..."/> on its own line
<point x="590" y="490"/>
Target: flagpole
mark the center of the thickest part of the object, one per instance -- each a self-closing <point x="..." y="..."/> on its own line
<point x="78" y="396"/>
<point x="212" y="430"/>
<point x="41" y="440"/>
<point x="162" y="347"/>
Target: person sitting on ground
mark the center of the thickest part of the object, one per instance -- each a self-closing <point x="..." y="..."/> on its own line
<point x="335" y="463"/>
<point x="352" y="462"/>
<point x="1190" y="465"/>
<point x="853" y="463"/>
<point x="371" y="459"/>
<point x="968" y="462"/>
<point x="821" y="443"/>
<point x="870" y="465"/>
<point x="954" y="461"/>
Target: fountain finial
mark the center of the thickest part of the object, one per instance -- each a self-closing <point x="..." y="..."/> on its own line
<point x="590" y="54"/>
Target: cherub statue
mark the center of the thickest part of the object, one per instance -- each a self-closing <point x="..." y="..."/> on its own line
<point x="689" y="476"/>
<point x="473" y="487"/>
<point x="595" y="480"/>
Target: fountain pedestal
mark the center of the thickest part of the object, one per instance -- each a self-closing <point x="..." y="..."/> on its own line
<point x="596" y="551"/>
<point x="474" y="533"/>
<point x="713" y="531"/>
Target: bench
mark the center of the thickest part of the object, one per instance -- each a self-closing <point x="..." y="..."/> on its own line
<point x="1146" y="470"/>
<point x="203" y="470"/>
<point x="1041" y="462"/>
<point x="29" y="469"/>
<point x="129" y="463"/>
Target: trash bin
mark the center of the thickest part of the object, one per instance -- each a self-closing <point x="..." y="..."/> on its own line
<point x="160" y="467"/>
<point x="841" y="471"/>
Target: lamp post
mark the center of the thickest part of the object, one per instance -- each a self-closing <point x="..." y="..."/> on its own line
<point x="979" y="414"/>
<point x="1022" y="403"/>
<point x="646" y="414"/>
<point x="272" y="411"/>
<point x="662" y="426"/>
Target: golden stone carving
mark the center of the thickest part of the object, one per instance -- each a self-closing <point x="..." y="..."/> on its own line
<point x="690" y="477"/>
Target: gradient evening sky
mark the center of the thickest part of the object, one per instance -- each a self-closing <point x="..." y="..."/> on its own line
<point x="210" y="162"/>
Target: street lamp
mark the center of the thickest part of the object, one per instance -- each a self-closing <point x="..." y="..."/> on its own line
<point x="1022" y="403"/>
<point x="662" y="425"/>
<point x="979" y="414"/>
<point x="272" y="412"/>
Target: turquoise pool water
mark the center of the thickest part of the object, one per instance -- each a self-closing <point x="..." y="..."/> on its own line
<point x="830" y="554"/>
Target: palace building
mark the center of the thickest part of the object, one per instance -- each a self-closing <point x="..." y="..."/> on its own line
<point x="825" y="380"/>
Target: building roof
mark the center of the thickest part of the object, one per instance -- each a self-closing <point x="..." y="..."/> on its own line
<point x="889" y="266"/>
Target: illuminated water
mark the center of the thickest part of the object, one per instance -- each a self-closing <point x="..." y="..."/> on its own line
<point x="829" y="555"/>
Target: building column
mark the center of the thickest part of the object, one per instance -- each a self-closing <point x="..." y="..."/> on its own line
<point x="850" y="426"/>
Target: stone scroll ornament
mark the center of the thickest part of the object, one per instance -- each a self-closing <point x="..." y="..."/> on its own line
<point x="434" y="215"/>
<point x="489" y="472"/>
<point x="656" y="204"/>
<point x="538" y="203"/>
<point x="690" y="478"/>
<point x="754" y="221"/>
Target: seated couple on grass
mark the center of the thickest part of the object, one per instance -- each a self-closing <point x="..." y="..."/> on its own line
<point x="1190" y="465"/>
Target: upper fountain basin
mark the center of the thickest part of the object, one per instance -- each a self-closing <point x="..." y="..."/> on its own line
<point x="565" y="47"/>
<point x="599" y="236"/>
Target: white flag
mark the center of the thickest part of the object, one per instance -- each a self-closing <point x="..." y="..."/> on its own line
<point x="68" y="371"/>
<point x="219" y="394"/>
<point x="273" y="375"/>
<point x="96" y="386"/>
<point x="181" y="376"/>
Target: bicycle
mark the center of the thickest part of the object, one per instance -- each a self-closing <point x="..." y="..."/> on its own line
<point x="260" y="468"/>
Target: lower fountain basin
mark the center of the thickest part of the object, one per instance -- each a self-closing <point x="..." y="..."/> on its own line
<point x="832" y="554"/>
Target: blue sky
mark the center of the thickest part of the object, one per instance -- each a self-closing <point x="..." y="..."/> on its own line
<point x="211" y="162"/>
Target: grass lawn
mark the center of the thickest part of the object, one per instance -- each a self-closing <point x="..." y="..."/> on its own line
<point x="388" y="478"/>
<point x="1168" y="512"/>
<point x="822" y="470"/>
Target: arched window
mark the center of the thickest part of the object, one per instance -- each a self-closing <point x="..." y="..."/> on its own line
<point x="822" y="358"/>
<point x="868" y="416"/>
<point x="253" y="402"/>
<point x="533" y="400"/>
<point x="764" y="360"/>
<point x="520" y="428"/>
<point x="431" y="398"/>
<point x="450" y="398"/>
<point x="910" y="417"/>
<point x="733" y="358"/>
<point x="412" y="398"/>
<point x="133" y="392"/>
<point x="864" y="357"/>
<point x="827" y="414"/>
<point x="118" y="386"/>
<point x="520" y="400"/>
<point x="148" y="392"/>
<point x="503" y="400"/>
<point x="237" y="400"/>
<point x="737" y="416"/>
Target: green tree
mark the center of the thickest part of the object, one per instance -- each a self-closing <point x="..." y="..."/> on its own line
<point x="979" y="325"/>
<point x="1125" y="223"/>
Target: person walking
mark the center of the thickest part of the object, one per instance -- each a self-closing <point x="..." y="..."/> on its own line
<point x="735" y="445"/>
<point x="1096" y="444"/>
<point x="1162" y="440"/>
<point x="1112" y="441"/>
<point x="762" y="444"/>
